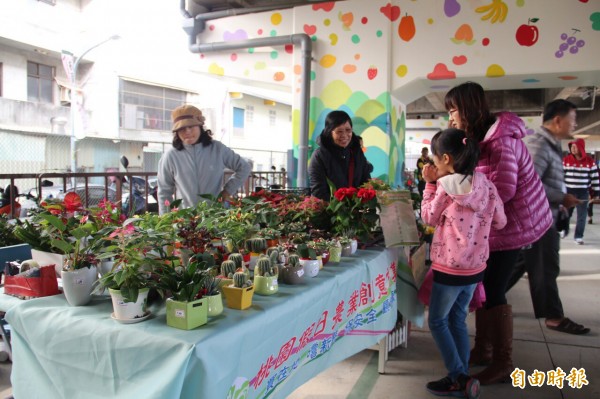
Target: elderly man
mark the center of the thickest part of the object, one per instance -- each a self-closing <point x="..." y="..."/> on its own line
<point x="541" y="261"/>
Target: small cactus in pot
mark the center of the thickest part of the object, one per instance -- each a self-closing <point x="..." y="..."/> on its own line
<point x="228" y="268"/>
<point x="293" y="272"/>
<point x="293" y="260"/>
<point x="265" y="268"/>
<point x="238" y="259"/>
<point x="240" y="280"/>
<point x="239" y="294"/>
<point x="265" y="277"/>
<point x="256" y="245"/>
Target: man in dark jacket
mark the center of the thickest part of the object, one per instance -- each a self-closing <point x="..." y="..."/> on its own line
<point x="541" y="261"/>
<point x="339" y="157"/>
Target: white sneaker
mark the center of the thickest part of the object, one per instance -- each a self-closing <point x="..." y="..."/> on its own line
<point x="579" y="241"/>
<point x="563" y="234"/>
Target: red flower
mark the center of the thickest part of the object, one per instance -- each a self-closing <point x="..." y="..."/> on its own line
<point x="344" y="192"/>
<point x="366" y="194"/>
<point x="72" y="202"/>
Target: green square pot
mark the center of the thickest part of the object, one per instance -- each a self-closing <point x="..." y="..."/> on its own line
<point x="187" y="315"/>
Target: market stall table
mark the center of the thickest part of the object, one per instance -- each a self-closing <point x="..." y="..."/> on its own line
<point x="268" y="350"/>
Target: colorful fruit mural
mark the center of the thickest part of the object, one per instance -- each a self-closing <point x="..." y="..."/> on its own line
<point x="372" y="58"/>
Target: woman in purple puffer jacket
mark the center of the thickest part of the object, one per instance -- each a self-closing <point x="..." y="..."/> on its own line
<point x="506" y="162"/>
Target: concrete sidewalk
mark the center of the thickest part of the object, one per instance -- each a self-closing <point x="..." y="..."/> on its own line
<point x="534" y="346"/>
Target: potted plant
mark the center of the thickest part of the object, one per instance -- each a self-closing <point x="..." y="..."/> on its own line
<point x="353" y="209"/>
<point x="212" y="293"/>
<point x="265" y="276"/>
<point x="256" y="246"/>
<point x="39" y="231"/>
<point x="335" y="250"/>
<point x="271" y="235"/>
<point x="293" y="271"/>
<point x="239" y="294"/>
<point x="136" y="252"/>
<point x="187" y="308"/>
<point x="228" y="269"/>
<point x="308" y="260"/>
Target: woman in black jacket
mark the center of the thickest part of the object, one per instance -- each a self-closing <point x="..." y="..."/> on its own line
<point x="339" y="157"/>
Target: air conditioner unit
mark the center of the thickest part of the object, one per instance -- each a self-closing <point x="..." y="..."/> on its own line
<point x="64" y="95"/>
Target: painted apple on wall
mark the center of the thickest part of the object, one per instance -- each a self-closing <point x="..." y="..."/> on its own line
<point x="527" y="35"/>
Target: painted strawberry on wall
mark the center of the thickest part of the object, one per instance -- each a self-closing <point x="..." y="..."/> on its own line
<point x="372" y="72"/>
<point x="528" y="35"/>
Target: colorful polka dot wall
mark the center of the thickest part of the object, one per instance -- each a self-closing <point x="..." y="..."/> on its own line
<point x="367" y="56"/>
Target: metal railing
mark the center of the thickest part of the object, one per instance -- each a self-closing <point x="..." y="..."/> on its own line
<point x="113" y="185"/>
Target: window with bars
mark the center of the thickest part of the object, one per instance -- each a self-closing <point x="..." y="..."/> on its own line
<point x="40" y="79"/>
<point x="148" y="107"/>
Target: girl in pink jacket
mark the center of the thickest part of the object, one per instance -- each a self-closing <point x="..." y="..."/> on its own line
<point x="464" y="206"/>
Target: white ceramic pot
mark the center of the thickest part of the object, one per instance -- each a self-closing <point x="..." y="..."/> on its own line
<point x="105" y="266"/>
<point x="310" y="266"/>
<point x="215" y="305"/>
<point x="129" y="310"/>
<point x="353" y="246"/>
<point x="78" y="285"/>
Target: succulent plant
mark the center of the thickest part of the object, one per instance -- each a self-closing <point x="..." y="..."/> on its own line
<point x="238" y="259"/>
<point x="293" y="260"/>
<point x="264" y="267"/>
<point x="228" y="268"/>
<point x="256" y="244"/>
<point x="240" y="280"/>
<point x="274" y="256"/>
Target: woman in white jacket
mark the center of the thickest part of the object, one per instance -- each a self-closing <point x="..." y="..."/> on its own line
<point x="196" y="164"/>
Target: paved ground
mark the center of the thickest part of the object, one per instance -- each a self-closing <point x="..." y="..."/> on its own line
<point x="535" y="347"/>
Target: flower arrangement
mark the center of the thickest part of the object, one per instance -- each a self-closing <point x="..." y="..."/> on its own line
<point x="354" y="209"/>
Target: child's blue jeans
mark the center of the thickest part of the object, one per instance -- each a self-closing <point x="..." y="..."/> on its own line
<point x="448" y="308"/>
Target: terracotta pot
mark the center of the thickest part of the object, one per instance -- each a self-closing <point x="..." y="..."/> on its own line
<point x="273" y="242"/>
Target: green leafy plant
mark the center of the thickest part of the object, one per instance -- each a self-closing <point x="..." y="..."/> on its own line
<point x="183" y="283"/>
<point x="7" y="232"/>
<point x="137" y="253"/>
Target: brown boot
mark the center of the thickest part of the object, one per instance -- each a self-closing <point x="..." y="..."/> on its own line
<point x="481" y="354"/>
<point x="501" y="334"/>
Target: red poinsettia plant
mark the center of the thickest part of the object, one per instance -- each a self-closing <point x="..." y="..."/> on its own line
<point x="353" y="209"/>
